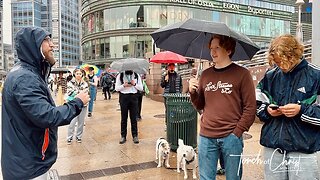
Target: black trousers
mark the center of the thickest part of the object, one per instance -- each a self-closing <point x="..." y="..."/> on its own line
<point x="139" y="96"/>
<point x="106" y="90"/>
<point x="128" y="103"/>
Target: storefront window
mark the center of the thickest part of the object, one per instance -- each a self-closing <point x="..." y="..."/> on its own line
<point x="255" y="26"/>
<point x="123" y="17"/>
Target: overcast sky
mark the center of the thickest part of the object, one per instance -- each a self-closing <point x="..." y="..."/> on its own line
<point x="6" y="22"/>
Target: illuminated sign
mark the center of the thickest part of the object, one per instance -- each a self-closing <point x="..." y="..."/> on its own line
<point x="225" y="5"/>
<point x="231" y="6"/>
<point x="260" y="11"/>
<point x="194" y="2"/>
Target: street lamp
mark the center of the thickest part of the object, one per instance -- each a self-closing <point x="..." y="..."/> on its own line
<point x="299" y="25"/>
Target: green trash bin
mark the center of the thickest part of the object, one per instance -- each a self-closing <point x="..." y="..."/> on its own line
<point x="181" y="118"/>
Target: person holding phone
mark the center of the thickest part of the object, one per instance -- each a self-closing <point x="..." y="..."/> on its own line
<point x="128" y="83"/>
<point x="171" y="81"/>
<point x="288" y="104"/>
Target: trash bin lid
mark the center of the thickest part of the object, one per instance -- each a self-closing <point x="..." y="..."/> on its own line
<point x="176" y="95"/>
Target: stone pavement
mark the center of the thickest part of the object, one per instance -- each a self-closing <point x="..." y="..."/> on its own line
<point x="100" y="155"/>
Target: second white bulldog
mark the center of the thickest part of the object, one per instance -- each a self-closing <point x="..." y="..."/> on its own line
<point x="162" y="152"/>
<point x="186" y="155"/>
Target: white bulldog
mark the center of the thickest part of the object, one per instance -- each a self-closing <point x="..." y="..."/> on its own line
<point x="186" y="155"/>
<point x="162" y="152"/>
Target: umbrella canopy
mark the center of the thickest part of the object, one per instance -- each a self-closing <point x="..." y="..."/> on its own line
<point x="57" y="70"/>
<point x="139" y="66"/>
<point x="96" y="70"/>
<point x="190" y="38"/>
<point x="168" y="57"/>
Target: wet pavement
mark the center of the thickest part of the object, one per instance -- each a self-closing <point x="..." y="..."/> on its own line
<point x="100" y="156"/>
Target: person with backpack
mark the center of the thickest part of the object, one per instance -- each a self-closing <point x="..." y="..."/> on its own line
<point x="128" y="84"/>
<point x="106" y="84"/>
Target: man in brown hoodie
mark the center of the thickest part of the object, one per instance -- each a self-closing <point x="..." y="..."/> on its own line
<point x="226" y="94"/>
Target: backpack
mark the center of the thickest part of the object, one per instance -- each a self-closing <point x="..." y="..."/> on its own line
<point x="122" y="74"/>
<point x="107" y="81"/>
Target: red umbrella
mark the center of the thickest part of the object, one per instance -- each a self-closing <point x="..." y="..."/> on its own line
<point x="168" y="57"/>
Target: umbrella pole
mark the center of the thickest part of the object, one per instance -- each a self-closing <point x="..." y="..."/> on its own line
<point x="200" y="64"/>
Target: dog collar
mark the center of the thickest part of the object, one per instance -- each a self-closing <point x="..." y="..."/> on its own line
<point x="188" y="162"/>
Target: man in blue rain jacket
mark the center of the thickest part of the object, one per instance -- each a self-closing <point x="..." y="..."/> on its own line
<point x="30" y="118"/>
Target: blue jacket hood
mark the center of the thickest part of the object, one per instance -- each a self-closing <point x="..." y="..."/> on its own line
<point x="28" y="43"/>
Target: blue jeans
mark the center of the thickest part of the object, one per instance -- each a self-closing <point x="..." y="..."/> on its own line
<point x="92" y="90"/>
<point x="290" y="165"/>
<point x="210" y="149"/>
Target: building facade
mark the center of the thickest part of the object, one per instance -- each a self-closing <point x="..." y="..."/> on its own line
<point x="60" y="17"/>
<point x="114" y="29"/>
<point x="8" y="60"/>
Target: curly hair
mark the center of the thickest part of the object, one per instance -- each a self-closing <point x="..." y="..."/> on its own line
<point x="288" y="48"/>
<point x="226" y="42"/>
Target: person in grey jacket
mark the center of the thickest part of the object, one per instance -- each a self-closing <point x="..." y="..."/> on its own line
<point x="30" y="118"/>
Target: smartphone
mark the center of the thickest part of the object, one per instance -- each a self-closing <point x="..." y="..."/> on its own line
<point x="274" y="107"/>
<point x="129" y="82"/>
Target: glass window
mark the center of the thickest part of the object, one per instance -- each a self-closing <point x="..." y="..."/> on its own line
<point x="125" y="47"/>
<point x="102" y="48"/>
<point x="97" y="51"/>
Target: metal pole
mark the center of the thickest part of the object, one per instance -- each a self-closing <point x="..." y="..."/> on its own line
<point x="315" y="32"/>
<point x="299" y="26"/>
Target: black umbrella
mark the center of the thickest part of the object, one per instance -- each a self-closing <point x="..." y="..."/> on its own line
<point x="57" y="70"/>
<point x="190" y="38"/>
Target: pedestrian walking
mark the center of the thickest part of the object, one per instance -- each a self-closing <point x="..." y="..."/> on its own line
<point x="93" y="83"/>
<point x="106" y="83"/>
<point x="61" y="88"/>
<point x="128" y="83"/>
<point x="30" y="118"/>
<point x="288" y="104"/>
<point x="75" y="86"/>
<point x="225" y="93"/>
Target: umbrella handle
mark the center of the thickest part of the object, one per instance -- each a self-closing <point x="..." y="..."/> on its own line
<point x="200" y="67"/>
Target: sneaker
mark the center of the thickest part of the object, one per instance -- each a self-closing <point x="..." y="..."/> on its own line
<point x="69" y="141"/>
<point x="122" y="140"/>
<point x="78" y="140"/>
<point x="89" y="114"/>
<point x="136" y="140"/>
